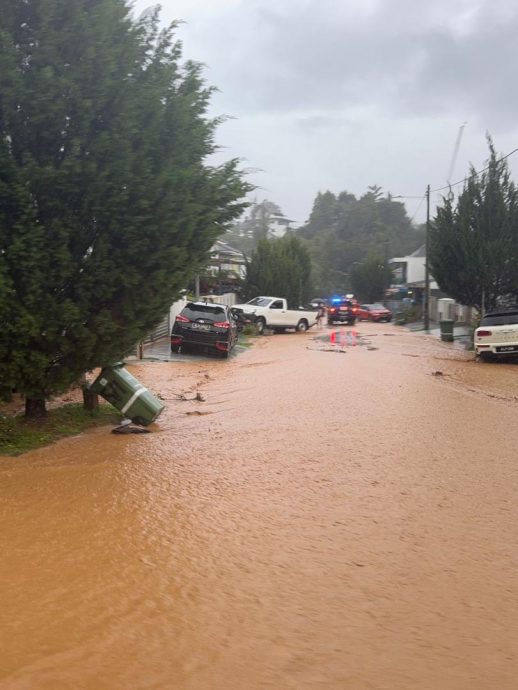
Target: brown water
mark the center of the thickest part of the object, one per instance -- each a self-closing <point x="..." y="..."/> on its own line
<point x="330" y="516"/>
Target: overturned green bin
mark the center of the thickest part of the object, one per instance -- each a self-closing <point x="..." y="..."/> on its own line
<point x="116" y="385"/>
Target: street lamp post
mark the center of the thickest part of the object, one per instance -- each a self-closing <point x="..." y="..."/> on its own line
<point x="426" y="301"/>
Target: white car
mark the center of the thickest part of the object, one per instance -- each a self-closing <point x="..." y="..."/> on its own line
<point x="497" y="334"/>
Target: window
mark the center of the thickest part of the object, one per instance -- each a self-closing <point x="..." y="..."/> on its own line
<point x="502" y="319"/>
<point x="209" y="312"/>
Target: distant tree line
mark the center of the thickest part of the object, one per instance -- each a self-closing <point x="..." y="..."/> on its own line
<point x="347" y="239"/>
<point x="344" y="232"/>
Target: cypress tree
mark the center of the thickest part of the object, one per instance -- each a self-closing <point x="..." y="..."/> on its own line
<point x="474" y="244"/>
<point x="107" y="203"/>
<point x="280" y="268"/>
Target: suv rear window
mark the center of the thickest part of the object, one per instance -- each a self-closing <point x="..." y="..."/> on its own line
<point x="210" y="312"/>
<point x="505" y="319"/>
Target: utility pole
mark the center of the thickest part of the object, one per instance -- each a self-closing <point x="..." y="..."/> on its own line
<point x="426" y="315"/>
<point x="385" y="272"/>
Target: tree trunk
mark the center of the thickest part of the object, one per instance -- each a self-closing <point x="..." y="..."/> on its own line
<point x="90" y="400"/>
<point x="35" y="408"/>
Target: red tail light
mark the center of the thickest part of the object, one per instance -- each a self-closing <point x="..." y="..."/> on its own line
<point x="183" y="319"/>
<point x="222" y="346"/>
<point x="332" y="309"/>
<point x="355" y="309"/>
<point x="483" y="334"/>
<point x="221" y="324"/>
<point x="176" y="340"/>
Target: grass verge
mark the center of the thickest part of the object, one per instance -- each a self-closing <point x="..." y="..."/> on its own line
<point x="18" y="435"/>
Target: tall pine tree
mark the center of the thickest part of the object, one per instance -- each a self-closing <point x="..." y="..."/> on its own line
<point x="474" y="243"/>
<point x="107" y="203"/>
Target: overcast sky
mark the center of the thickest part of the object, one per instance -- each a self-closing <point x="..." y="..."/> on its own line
<point x="342" y="94"/>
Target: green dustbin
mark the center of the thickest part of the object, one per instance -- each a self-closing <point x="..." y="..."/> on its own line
<point x="446" y="327"/>
<point x="116" y="385"/>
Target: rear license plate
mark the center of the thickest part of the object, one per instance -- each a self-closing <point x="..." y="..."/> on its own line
<point x="344" y="309"/>
<point x="507" y="348"/>
<point x="201" y="326"/>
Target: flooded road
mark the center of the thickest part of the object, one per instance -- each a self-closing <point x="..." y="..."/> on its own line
<point x="338" y="515"/>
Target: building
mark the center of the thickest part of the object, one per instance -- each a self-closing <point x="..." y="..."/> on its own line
<point x="410" y="270"/>
<point x="409" y="286"/>
<point x="224" y="271"/>
<point x="278" y="225"/>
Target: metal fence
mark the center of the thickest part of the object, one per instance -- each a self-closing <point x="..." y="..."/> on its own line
<point x="161" y="331"/>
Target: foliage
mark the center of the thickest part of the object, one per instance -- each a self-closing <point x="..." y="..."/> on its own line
<point x="474" y="244"/>
<point x="255" y="226"/>
<point x="370" y="279"/>
<point x="280" y="268"/>
<point x="19" y="435"/>
<point x="343" y="230"/>
<point x="248" y="330"/>
<point x="107" y="206"/>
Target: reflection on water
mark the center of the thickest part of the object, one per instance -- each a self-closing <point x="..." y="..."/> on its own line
<point x="325" y="523"/>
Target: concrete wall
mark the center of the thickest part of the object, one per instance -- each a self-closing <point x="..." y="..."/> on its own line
<point x="229" y="299"/>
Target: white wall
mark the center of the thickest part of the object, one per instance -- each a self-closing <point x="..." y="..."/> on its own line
<point x="414" y="267"/>
<point x="229" y="299"/>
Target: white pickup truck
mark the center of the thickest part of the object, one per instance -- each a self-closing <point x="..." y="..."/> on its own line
<point x="273" y="312"/>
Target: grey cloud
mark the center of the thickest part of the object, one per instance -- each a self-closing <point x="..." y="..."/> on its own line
<point x="404" y="56"/>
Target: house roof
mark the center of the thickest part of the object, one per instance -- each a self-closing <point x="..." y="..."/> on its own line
<point x="421" y="251"/>
<point x="220" y="247"/>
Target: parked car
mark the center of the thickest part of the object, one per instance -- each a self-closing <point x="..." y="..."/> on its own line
<point x="273" y="312"/>
<point x="374" y="312"/>
<point x="317" y="302"/>
<point x="342" y="310"/>
<point x="205" y="325"/>
<point x="497" y="334"/>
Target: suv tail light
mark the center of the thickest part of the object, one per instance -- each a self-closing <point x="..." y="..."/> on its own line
<point x="332" y="309"/>
<point x="222" y="324"/>
<point x="183" y="319"/>
<point x="483" y="334"/>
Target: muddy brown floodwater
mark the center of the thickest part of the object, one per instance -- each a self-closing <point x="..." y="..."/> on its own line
<point x="338" y="515"/>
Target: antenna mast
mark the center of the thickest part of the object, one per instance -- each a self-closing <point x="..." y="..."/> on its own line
<point x="455" y="152"/>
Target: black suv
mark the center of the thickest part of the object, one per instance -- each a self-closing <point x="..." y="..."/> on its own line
<point x="205" y="325"/>
<point x="342" y="310"/>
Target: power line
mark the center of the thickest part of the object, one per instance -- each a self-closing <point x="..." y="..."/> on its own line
<point x="479" y="172"/>
<point x="418" y="207"/>
<point x="454" y="184"/>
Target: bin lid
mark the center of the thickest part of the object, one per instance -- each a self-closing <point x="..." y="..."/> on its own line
<point x="115" y="365"/>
